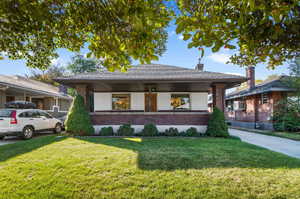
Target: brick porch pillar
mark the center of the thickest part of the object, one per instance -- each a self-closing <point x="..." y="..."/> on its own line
<point x="218" y="95"/>
<point x="82" y="90"/>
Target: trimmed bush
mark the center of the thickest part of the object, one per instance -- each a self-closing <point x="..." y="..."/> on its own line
<point x="191" y="132"/>
<point x="78" y="120"/>
<point x="149" y="130"/>
<point x="107" y="131"/>
<point x="217" y="126"/>
<point x="171" y="132"/>
<point x="125" y="130"/>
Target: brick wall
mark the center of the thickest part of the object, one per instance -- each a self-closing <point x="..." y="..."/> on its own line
<point x="264" y="111"/>
<point x="158" y="119"/>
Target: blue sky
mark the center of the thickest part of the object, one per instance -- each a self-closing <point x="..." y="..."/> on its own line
<point x="177" y="54"/>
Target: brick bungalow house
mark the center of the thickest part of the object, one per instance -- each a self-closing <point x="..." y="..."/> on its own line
<point x="253" y="107"/>
<point x="45" y="96"/>
<point x="152" y="93"/>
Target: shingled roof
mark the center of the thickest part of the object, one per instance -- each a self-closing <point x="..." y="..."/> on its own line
<point x="276" y="84"/>
<point x="149" y="72"/>
<point x="27" y="84"/>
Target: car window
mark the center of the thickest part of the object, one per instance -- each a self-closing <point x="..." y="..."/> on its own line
<point x="45" y="114"/>
<point x="5" y="113"/>
<point x="35" y="114"/>
<point x="27" y="114"/>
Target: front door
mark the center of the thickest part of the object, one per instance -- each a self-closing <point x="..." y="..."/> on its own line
<point x="150" y="102"/>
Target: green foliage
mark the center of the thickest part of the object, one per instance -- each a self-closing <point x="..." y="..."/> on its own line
<point x="217" y="126"/>
<point x="125" y="130"/>
<point x="191" y="132"/>
<point x="78" y="120"/>
<point x="107" y="131"/>
<point x="171" y="132"/>
<point x="111" y="30"/>
<point x="80" y="64"/>
<point x="262" y="31"/>
<point x="286" y="116"/>
<point x="47" y="75"/>
<point x="149" y="130"/>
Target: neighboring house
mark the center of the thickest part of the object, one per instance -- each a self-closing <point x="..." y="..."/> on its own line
<point x="45" y="96"/>
<point x="253" y="107"/>
<point x="153" y="93"/>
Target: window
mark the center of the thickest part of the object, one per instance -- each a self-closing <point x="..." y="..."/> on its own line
<point x="121" y="102"/>
<point x="239" y="105"/>
<point x="264" y="98"/>
<point x="180" y="101"/>
<point x="46" y="115"/>
<point x="5" y="113"/>
<point x="229" y="105"/>
<point x="28" y="114"/>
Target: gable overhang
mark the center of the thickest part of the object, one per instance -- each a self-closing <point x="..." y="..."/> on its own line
<point x="159" y="85"/>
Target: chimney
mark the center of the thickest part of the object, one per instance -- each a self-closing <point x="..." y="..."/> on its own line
<point x="199" y="67"/>
<point x="250" y="74"/>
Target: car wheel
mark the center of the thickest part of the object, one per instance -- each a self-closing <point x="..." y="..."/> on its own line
<point x="27" y="132"/>
<point x="58" y="128"/>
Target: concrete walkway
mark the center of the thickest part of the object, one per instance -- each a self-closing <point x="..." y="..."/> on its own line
<point x="281" y="145"/>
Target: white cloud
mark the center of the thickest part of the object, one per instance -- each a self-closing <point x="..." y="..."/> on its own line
<point x="219" y="57"/>
<point x="180" y="37"/>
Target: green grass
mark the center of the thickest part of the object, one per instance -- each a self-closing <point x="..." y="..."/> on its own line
<point x="288" y="135"/>
<point x="98" y="167"/>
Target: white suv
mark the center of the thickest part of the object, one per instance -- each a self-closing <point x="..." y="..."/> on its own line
<point x="26" y="122"/>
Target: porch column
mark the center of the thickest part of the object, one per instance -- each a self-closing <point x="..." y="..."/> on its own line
<point x="82" y="90"/>
<point x="218" y="95"/>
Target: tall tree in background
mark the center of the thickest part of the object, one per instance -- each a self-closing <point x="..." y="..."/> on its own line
<point x="80" y="64"/>
<point x="261" y="30"/>
<point x="113" y="30"/>
<point x="293" y="80"/>
<point x="48" y="75"/>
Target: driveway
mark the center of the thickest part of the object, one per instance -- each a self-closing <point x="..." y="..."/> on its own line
<point x="281" y="145"/>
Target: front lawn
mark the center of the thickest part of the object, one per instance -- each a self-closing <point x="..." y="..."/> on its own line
<point x="63" y="167"/>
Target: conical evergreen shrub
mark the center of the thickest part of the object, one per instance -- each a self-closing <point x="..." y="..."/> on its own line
<point x="78" y="121"/>
<point x="217" y="126"/>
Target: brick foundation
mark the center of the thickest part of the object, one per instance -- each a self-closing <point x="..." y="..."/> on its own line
<point x="158" y="119"/>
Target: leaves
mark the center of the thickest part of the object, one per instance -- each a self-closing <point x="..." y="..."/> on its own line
<point x="262" y="31"/>
<point x="113" y="31"/>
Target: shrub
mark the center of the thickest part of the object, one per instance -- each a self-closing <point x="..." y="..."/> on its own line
<point x="125" y="130"/>
<point x="107" y="131"/>
<point x="191" y="132"/>
<point x="286" y="117"/>
<point x="149" y="130"/>
<point x="78" y="120"/>
<point x="217" y="126"/>
<point x="171" y="132"/>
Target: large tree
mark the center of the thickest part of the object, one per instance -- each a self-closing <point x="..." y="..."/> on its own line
<point x="113" y="30"/>
<point x="80" y="64"/>
<point x="261" y="30"/>
<point x="118" y="30"/>
<point x="47" y="75"/>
